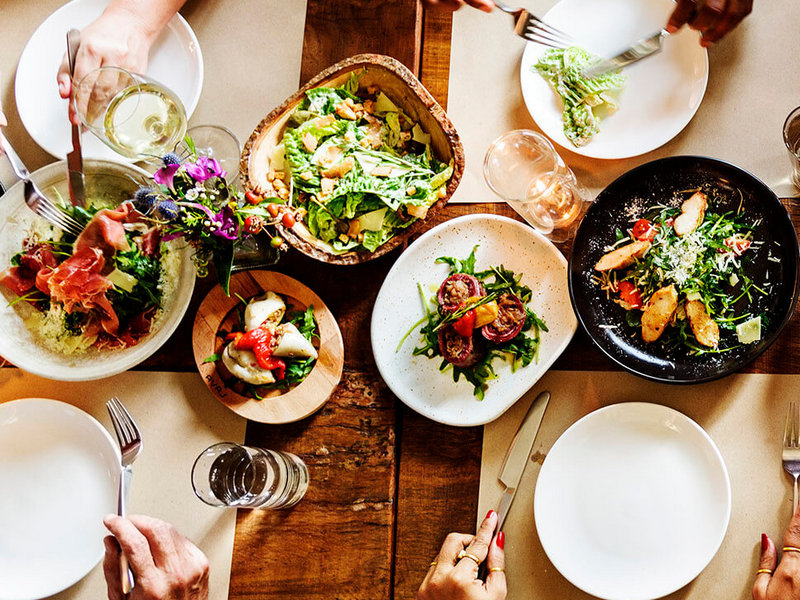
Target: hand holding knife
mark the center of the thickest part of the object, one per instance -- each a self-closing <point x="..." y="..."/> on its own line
<point x="77" y="193"/>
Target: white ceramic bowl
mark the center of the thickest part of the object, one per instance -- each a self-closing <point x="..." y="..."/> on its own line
<point x="18" y="344"/>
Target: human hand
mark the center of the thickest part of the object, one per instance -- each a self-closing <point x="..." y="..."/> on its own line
<point x="779" y="580"/>
<point x="451" y="578"/>
<point x="166" y="566"/>
<point x="117" y="38"/>
<point x="713" y="18"/>
<point x="484" y="5"/>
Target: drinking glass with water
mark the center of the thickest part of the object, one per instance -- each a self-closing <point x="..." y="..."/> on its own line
<point x="228" y="474"/>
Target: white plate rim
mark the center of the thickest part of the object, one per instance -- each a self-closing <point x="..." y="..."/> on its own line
<point x="60" y="405"/>
<point x="177" y="25"/>
<point x="559" y="139"/>
<point x="664" y="412"/>
<point x="407" y="255"/>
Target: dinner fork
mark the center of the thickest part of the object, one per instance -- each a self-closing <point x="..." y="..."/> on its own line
<point x="130" y="444"/>
<point x="34" y="198"/>
<point x="791" y="447"/>
<point x="533" y="29"/>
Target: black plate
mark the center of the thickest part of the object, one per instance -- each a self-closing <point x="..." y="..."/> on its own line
<point x="658" y="182"/>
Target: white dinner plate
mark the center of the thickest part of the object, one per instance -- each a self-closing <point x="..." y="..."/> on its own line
<point x="58" y="475"/>
<point x="416" y="380"/>
<point x="175" y="61"/>
<point x="632" y="502"/>
<point x="662" y="94"/>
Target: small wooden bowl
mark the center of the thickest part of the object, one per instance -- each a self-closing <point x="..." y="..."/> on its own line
<point x="278" y="406"/>
<point x="405" y="90"/>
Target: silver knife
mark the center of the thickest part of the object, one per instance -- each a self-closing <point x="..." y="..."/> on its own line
<point x="637" y="51"/>
<point x="518" y="452"/>
<point x="77" y="193"/>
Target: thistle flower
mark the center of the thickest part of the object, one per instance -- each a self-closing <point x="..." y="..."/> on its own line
<point x="170" y="158"/>
<point x="144" y="200"/>
<point x="167" y="210"/>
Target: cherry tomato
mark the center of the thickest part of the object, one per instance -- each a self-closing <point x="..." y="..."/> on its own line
<point x="629" y="294"/>
<point x="253" y="224"/>
<point x="464" y="325"/>
<point x="644" y="231"/>
<point x="272" y="209"/>
<point x="738" y="245"/>
<point x="252" y="197"/>
<point x="288" y="220"/>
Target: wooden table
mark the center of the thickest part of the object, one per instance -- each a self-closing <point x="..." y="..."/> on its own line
<point x="387" y="484"/>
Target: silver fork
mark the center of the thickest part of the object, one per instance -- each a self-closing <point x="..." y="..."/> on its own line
<point x="130" y="444"/>
<point x="34" y="198"/>
<point x="533" y="29"/>
<point x="791" y="447"/>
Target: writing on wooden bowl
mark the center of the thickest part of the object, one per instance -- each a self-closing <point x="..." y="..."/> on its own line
<point x="220" y="317"/>
<point x="362" y="154"/>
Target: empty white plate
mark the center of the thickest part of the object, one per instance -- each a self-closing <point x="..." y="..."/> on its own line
<point x="59" y="471"/>
<point x="416" y="380"/>
<point x="663" y="91"/>
<point x="632" y="502"/>
<point x="175" y="61"/>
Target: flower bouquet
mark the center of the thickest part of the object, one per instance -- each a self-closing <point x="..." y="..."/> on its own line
<point x="192" y="199"/>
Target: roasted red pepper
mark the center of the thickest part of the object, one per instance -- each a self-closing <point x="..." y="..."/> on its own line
<point x="464" y="325"/>
<point x="259" y="340"/>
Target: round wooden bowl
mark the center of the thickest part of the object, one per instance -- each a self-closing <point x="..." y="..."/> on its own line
<point x="278" y="406"/>
<point x="405" y="90"/>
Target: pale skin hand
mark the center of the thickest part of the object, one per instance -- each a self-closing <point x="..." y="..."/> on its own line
<point x="166" y="566"/>
<point x="484" y="5"/>
<point x="713" y="18"/>
<point x="120" y="37"/>
<point x="454" y="579"/>
<point x="784" y="583"/>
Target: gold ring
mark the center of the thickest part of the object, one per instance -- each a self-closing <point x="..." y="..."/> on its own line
<point x="768" y="571"/>
<point x="465" y="554"/>
<point x="433" y="564"/>
<point x="496" y="569"/>
<point x="790" y="549"/>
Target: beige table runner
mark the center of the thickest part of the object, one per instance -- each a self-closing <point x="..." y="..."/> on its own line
<point x="252" y="50"/>
<point x="743" y="414"/>
<point x="754" y="82"/>
<point x="179" y="418"/>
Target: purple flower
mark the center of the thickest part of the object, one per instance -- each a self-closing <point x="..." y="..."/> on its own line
<point x="167" y="210"/>
<point x="205" y="168"/>
<point x="170" y="158"/>
<point x="224" y="224"/>
<point x="165" y="175"/>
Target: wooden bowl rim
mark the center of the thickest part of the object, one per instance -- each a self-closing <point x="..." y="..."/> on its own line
<point x="350" y="64"/>
<point x="303" y="400"/>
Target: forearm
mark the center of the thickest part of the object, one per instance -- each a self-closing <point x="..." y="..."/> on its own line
<point x="150" y="15"/>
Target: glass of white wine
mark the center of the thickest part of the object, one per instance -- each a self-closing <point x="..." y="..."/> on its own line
<point x="523" y="168"/>
<point x="137" y="117"/>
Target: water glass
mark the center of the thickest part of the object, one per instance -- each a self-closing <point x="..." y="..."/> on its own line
<point x="215" y="141"/>
<point x="523" y="168"/>
<point x="228" y="474"/>
<point x="791" y="137"/>
<point x="135" y="116"/>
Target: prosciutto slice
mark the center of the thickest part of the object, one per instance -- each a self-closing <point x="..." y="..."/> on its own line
<point x="105" y="231"/>
<point x="78" y="285"/>
<point x="37" y="261"/>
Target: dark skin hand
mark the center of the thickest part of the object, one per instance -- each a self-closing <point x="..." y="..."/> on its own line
<point x="782" y="581"/>
<point x="713" y="18"/>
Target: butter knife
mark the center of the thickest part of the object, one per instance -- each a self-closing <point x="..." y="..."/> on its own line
<point x="77" y="193"/>
<point x="636" y="52"/>
<point x="518" y="453"/>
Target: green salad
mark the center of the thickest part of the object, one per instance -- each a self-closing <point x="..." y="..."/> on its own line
<point x="362" y="170"/>
<point x="586" y="101"/>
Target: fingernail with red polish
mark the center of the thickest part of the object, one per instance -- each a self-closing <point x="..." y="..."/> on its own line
<point x="764" y="542"/>
<point x="501" y="540"/>
<point x="489" y="514"/>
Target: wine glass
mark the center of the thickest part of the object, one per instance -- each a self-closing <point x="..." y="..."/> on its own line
<point x="134" y="115"/>
<point x="215" y="141"/>
<point x="523" y="168"/>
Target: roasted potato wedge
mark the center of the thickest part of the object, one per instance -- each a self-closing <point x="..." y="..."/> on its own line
<point x="704" y="328"/>
<point x="659" y="312"/>
<point x="693" y="211"/>
<point x="622" y="257"/>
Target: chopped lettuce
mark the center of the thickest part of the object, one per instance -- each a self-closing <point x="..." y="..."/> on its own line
<point x="585" y="100"/>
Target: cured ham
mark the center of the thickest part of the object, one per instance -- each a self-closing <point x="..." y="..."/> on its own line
<point x="456" y="289"/>
<point x="37" y="262"/>
<point x="509" y="322"/>
<point x="105" y="231"/>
